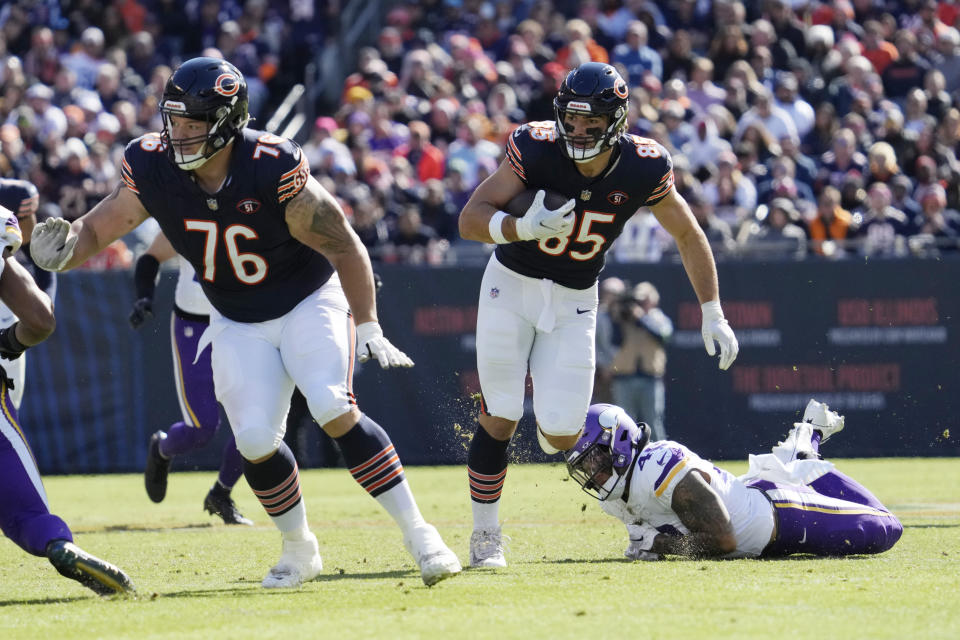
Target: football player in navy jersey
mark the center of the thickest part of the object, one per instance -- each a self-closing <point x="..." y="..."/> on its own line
<point x="291" y="287"/>
<point x="25" y="515"/>
<point x="538" y="296"/>
<point x="194" y="380"/>
<point x="22" y="198"/>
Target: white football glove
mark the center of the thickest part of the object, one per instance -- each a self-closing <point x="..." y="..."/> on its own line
<point x="716" y="328"/>
<point x="51" y="245"/>
<point x="372" y="344"/>
<point x="641" y="541"/>
<point x="539" y="222"/>
<point x="10" y="236"/>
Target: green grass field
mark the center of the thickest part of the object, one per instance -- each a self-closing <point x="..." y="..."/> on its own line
<point x="200" y="579"/>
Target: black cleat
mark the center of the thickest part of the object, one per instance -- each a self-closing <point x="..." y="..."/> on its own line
<point x="155" y="475"/>
<point x="92" y="572"/>
<point x="221" y="504"/>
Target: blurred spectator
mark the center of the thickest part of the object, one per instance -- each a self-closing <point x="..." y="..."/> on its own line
<point x="50" y="122"/>
<point x="907" y="70"/>
<point x="678" y="60"/>
<point x="704" y="149"/>
<point x="580" y="46"/>
<point x="831" y="226"/>
<point x="787" y="98"/>
<point x="777" y="121"/>
<point x="425" y="157"/>
<point x="882" y="229"/>
<point x="701" y="89"/>
<point x="325" y="153"/>
<point x="438" y="211"/>
<point x="775" y="235"/>
<point x="413" y="242"/>
<point x="842" y="159"/>
<point x="73" y="184"/>
<point x="636" y="56"/>
<point x="471" y="145"/>
<point x="718" y="232"/>
<point x="938" y="228"/>
<point x="86" y="59"/>
<point x="642" y="240"/>
<point x="731" y="194"/>
<point x="948" y="58"/>
<point x="610" y="290"/>
<point x="641" y="331"/>
<point x="728" y="45"/>
<point x="901" y="192"/>
<point x="882" y="162"/>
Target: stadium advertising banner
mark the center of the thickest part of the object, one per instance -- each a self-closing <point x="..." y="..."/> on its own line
<point x="876" y="340"/>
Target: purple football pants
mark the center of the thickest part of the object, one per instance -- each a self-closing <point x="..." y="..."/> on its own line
<point x="25" y="517"/>
<point x="832" y="516"/>
<point x="197" y="400"/>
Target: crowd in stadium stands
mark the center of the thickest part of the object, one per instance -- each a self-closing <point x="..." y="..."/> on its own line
<point x="798" y="128"/>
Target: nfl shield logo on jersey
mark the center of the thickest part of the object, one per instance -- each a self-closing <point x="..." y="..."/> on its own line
<point x="494" y="292"/>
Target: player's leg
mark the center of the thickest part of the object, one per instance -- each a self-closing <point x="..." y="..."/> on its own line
<point x="809" y="522"/>
<point x="504" y="338"/>
<point x="255" y="390"/>
<point x="218" y="500"/>
<point x="25" y="516"/>
<point x="198" y="404"/>
<point x="318" y="348"/>
<point x="562" y="363"/>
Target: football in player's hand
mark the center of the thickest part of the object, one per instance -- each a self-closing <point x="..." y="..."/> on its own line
<point x="519" y="204"/>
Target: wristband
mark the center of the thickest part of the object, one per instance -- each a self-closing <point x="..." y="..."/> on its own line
<point x="496" y="227"/>
<point x="9" y="342"/>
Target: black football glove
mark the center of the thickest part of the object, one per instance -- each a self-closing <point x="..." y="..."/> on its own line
<point x="141" y="312"/>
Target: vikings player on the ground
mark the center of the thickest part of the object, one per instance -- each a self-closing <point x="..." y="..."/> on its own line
<point x="674" y="502"/>
<point x="291" y="288"/>
<point x="194" y="380"/>
<point x="538" y="296"/>
<point x="25" y="515"/>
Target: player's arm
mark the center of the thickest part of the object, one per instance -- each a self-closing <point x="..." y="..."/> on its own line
<point x="315" y="218"/>
<point x="32" y="306"/>
<point x="145" y="278"/>
<point x="675" y="216"/>
<point x="58" y="245"/>
<point x="483" y="219"/>
<point x="490" y="196"/>
<point x="703" y="513"/>
<point x="27" y="217"/>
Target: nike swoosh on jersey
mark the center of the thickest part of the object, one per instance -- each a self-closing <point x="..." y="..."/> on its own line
<point x="579" y="310"/>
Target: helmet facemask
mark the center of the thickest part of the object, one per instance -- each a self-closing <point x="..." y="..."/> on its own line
<point x="587" y="147"/>
<point x="606" y="450"/>
<point x="219" y="132"/>
<point x="592" y="89"/>
<point x="207" y="90"/>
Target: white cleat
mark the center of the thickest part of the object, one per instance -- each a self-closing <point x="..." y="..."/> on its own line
<point x="435" y="560"/>
<point x="823" y="420"/>
<point x="797" y="445"/>
<point x="487" y="549"/>
<point x="300" y="562"/>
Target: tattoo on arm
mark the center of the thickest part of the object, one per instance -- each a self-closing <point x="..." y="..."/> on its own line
<point x="327" y="229"/>
<point x="702" y="512"/>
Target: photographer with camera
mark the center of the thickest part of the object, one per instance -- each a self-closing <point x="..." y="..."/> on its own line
<point x="641" y="331"/>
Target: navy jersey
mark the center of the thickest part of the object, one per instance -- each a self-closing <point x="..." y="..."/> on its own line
<point x="250" y="267"/>
<point x="640" y="175"/>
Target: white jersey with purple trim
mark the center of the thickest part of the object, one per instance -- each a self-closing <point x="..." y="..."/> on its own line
<point x="189" y="294"/>
<point x="658" y="470"/>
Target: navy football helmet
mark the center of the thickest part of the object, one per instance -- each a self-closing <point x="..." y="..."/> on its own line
<point x="209" y="90"/>
<point x="593" y="88"/>
<point x="606" y="449"/>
